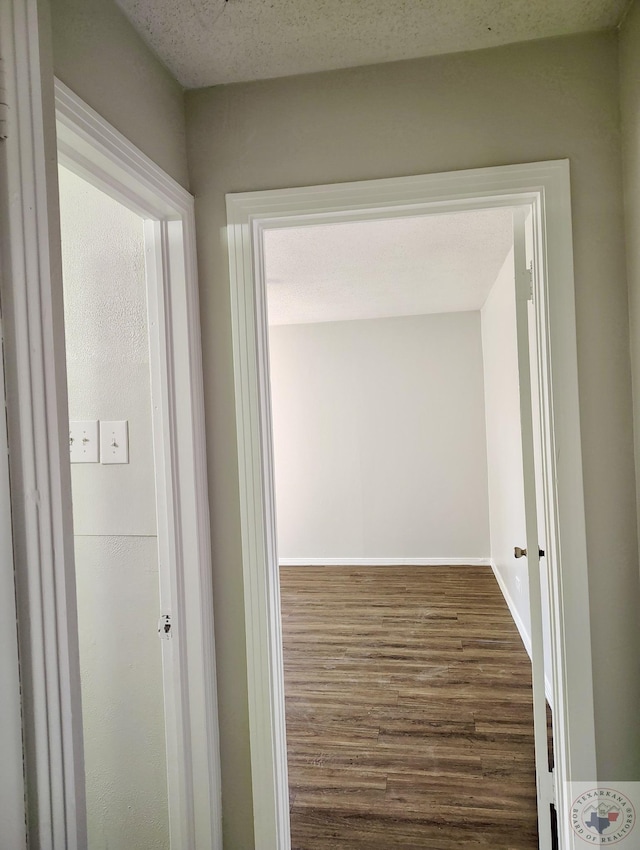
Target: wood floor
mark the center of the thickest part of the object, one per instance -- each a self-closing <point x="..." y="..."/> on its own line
<point x="409" y="716"/>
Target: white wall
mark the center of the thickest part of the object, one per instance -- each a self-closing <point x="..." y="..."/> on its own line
<point x="114" y="523"/>
<point x="504" y="444"/>
<point x="379" y="438"/>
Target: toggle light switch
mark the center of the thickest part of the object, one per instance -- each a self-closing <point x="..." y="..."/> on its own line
<point x="114" y="442"/>
<point x="83" y="441"/>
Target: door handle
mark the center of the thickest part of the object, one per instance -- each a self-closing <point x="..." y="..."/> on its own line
<point x="522" y="553"/>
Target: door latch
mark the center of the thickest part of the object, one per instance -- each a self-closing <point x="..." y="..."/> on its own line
<point x="164" y="626"/>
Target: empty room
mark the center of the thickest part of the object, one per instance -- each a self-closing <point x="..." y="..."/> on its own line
<point x="400" y="500"/>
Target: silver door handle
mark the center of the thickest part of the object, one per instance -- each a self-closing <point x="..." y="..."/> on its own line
<point x="522" y="553"/>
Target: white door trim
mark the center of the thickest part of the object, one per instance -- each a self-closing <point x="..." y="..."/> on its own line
<point x="38" y="440"/>
<point x="12" y="786"/>
<point x="13" y="812"/>
<point x="523" y="298"/>
<point x="92" y="148"/>
<point x="544" y="187"/>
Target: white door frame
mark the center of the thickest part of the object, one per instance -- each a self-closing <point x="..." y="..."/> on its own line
<point x="12" y="787"/>
<point x="38" y="438"/>
<point x="544" y="188"/>
<point x="40" y="486"/>
<point x="13" y="813"/>
<point x="94" y="150"/>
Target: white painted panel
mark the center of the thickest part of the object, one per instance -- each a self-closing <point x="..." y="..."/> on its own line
<point x="122" y="699"/>
<point x="379" y="438"/>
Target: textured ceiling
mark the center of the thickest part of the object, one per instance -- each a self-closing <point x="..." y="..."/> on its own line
<point x="208" y="42"/>
<point x="375" y="269"/>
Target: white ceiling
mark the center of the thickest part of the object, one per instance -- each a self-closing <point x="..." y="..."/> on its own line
<point x="375" y="269"/>
<point x="208" y="42"/>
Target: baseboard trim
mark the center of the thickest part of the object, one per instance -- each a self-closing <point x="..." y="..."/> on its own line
<point x="385" y="562"/>
<point x="524" y="635"/>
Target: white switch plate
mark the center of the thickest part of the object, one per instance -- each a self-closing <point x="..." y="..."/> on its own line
<point x="114" y="442"/>
<point x="83" y="441"/>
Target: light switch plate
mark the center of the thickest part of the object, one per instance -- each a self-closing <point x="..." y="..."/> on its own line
<point x="114" y="442"/>
<point x="83" y="441"/>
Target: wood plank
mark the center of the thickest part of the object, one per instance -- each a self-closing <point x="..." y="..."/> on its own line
<point x="409" y="713"/>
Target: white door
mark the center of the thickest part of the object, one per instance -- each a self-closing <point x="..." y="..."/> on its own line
<point x="524" y="295"/>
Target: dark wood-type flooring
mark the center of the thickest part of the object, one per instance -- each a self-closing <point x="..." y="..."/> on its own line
<point x="409" y="715"/>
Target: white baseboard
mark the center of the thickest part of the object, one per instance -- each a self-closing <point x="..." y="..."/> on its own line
<point x="524" y="634"/>
<point x="385" y="562"/>
<point x="526" y="638"/>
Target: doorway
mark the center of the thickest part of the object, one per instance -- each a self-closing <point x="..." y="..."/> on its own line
<point x="543" y="189"/>
<point x="397" y="446"/>
<point x="141" y="516"/>
<point x="115" y="522"/>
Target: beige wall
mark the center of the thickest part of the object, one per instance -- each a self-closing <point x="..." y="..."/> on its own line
<point x="98" y="54"/>
<point x="630" y="108"/>
<point x="527" y="102"/>
<point x="379" y="438"/>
